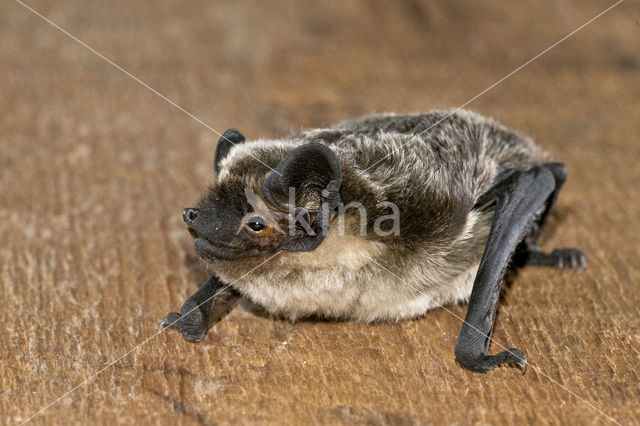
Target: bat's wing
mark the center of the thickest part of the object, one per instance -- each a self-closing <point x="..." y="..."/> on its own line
<point x="518" y="197"/>
<point x="212" y="301"/>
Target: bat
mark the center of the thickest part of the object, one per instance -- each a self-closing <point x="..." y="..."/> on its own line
<point x="381" y="218"/>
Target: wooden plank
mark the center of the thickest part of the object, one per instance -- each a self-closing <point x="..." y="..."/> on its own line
<point x="95" y="170"/>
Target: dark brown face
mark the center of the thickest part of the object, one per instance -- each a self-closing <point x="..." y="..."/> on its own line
<point x="235" y="222"/>
<point x="226" y="226"/>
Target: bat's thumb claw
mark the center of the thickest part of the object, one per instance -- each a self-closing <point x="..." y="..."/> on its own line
<point x="523" y="366"/>
<point x="170" y="320"/>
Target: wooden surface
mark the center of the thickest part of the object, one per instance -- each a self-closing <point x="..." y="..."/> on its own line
<point x="95" y="170"/>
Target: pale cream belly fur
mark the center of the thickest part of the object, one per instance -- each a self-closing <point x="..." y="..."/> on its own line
<point x="359" y="296"/>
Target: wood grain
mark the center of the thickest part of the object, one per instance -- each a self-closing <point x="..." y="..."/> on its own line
<point x="95" y="170"/>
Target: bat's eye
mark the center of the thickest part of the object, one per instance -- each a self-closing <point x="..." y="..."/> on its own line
<point x="256" y="224"/>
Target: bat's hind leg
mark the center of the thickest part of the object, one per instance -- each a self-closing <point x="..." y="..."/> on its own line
<point x="518" y="197"/>
<point x="529" y="252"/>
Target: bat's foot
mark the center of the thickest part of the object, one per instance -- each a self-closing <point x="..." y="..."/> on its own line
<point x="561" y="258"/>
<point x="569" y="258"/>
<point x="192" y="324"/>
<point x="483" y="363"/>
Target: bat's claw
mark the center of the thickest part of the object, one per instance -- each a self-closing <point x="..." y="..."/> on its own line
<point x="169" y="321"/>
<point x="484" y="363"/>
<point x="512" y="357"/>
<point x="191" y="324"/>
<point x="561" y="258"/>
<point x="569" y="258"/>
<point x="521" y="362"/>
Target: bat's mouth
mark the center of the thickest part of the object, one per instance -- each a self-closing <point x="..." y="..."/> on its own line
<point x="212" y="252"/>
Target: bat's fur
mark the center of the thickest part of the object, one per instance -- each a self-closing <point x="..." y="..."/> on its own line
<point x="435" y="179"/>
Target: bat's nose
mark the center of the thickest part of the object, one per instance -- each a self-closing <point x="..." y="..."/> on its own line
<point x="189" y="215"/>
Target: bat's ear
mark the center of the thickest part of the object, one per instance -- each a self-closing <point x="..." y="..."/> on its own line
<point x="312" y="174"/>
<point x="311" y="170"/>
<point x="228" y="139"/>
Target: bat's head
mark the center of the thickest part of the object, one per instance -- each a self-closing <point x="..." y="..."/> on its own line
<point x="267" y="197"/>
